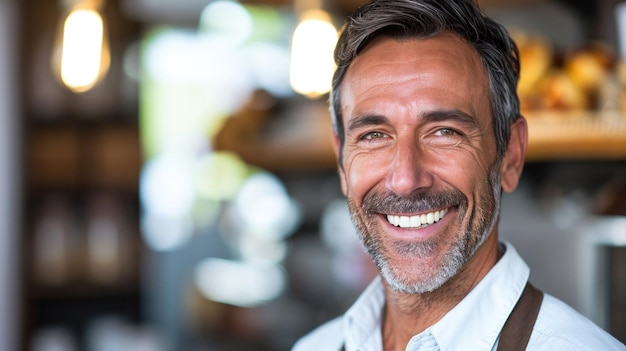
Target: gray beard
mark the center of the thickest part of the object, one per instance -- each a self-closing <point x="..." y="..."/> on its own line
<point x="454" y="258"/>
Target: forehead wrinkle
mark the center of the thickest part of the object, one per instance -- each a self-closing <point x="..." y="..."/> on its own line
<point x="457" y="54"/>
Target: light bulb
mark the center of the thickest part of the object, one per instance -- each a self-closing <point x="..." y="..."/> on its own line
<point x="82" y="54"/>
<point x="312" y="49"/>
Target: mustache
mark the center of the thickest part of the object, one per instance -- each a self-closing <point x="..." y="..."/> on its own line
<point x="422" y="201"/>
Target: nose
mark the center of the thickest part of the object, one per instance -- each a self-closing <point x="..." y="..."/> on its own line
<point x="408" y="171"/>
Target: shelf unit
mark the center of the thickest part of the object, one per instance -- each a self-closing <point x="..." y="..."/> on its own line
<point x="80" y="244"/>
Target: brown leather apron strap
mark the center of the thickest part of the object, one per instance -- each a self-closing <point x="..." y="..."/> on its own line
<point x="518" y="327"/>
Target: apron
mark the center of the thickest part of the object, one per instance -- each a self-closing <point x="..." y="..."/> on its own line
<point x="518" y="327"/>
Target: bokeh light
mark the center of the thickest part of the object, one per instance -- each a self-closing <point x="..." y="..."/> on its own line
<point x="243" y="284"/>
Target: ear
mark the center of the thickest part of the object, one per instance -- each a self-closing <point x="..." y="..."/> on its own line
<point x="514" y="156"/>
<point x="342" y="174"/>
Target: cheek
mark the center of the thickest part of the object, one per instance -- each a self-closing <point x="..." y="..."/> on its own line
<point x="467" y="172"/>
<point x="363" y="173"/>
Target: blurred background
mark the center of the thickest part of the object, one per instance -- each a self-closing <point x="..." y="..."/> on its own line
<point x="168" y="181"/>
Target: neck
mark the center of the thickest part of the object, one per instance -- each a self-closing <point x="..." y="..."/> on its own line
<point x="407" y="315"/>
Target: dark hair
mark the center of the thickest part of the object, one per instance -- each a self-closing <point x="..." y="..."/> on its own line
<point x="425" y="19"/>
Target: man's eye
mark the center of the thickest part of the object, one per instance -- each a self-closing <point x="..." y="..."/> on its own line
<point x="446" y="132"/>
<point x="374" y="135"/>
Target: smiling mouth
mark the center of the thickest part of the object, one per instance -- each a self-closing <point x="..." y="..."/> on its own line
<point x="416" y="221"/>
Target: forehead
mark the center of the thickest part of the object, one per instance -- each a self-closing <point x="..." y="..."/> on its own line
<point x="443" y="70"/>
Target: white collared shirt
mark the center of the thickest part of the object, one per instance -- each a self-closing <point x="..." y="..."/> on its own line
<point x="473" y="324"/>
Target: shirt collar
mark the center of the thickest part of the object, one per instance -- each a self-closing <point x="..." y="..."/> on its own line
<point x="473" y="324"/>
<point x="362" y="321"/>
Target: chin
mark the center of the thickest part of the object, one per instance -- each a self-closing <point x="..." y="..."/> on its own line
<point x="421" y="275"/>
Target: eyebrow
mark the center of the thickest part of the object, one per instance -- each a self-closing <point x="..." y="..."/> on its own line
<point x="430" y="116"/>
<point x="366" y="120"/>
<point x="447" y="115"/>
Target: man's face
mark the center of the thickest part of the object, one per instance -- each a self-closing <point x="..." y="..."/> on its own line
<point x="419" y="162"/>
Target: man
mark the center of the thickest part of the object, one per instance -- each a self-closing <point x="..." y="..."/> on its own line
<point x="428" y="132"/>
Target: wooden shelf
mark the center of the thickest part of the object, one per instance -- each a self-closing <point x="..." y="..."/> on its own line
<point x="303" y="141"/>
<point x="555" y="136"/>
<point x="83" y="156"/>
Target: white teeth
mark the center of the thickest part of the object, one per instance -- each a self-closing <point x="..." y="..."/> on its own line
<point x="405" y="221"/>
<point x="416" y="221"/>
